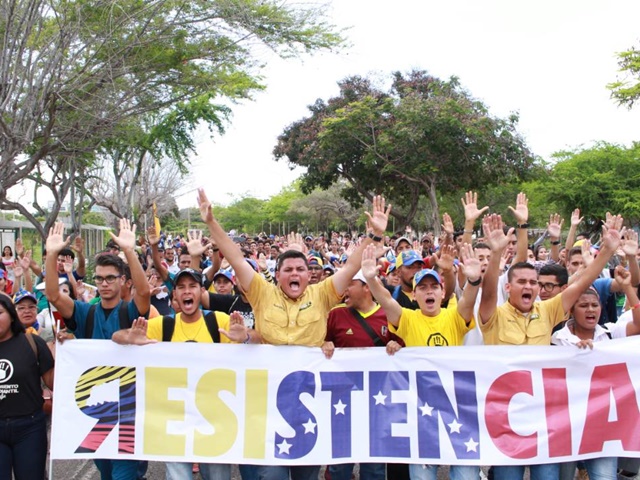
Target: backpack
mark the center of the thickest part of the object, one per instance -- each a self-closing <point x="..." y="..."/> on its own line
<point x="47" y="394"/>
<point x="123" y="316"/>
<point x="169" y="325"/>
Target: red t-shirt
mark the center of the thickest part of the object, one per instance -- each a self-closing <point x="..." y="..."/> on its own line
<point x="344" y="330"/>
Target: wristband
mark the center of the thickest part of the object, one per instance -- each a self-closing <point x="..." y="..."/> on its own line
<point x="523" y="225"/>
<point x="248" y="339"/>
<point x="475" y="283"/>
<point x="637" y="305"/>
<point x="374" y="238"/>
<point x="557" y="242"/>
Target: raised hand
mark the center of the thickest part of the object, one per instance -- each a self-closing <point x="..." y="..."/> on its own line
<point x="470" y="264"/>
<point x="262" y="262"/>
<point x="19" y="247"/>
<point x="137" y="334"/>
<point x="554" y="227"/>
<point x="68" y="266"/>
<point x="152" y="236"/>
<point x="25" y="261"/>
<point x="238" y="332"/>
<point x="296" y="242"/>
<point x="576" y="218"/>
<point x="587" y="254"/>
<point x="630" y="243"/>
<point x="493" y="234"/>
<point x="126" y="238"/>
<point x="204" y="205"/>
<point x="369" y="264"/>
<point x="505" y="259"/>
<point x="613" y="221"/>
<point x="447" y="224"/>
<point x="445" y="257"/>
<point x="470" y="204"/>
<point x="78" y="244"/>
<point x="55" y="241"/>
<point x="611" y="233"/>
<point x="194" y="245"/>
<point x="380" y="217"/>
<point x="622" y="277"/>
<point x="521" y="212"/>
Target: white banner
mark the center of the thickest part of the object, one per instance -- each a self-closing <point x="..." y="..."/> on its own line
<point x="260" y="404"/>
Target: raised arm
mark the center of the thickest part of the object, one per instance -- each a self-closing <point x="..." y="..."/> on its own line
<point x="623" y="278"/>
<point x="444" y="260"/>
<point x="244" y="271"/>
<point x="473" y="272"/>
<point x="154" y="240"/>
<point x="54" y="245"/>
<point x="630" y="249"/>
<point x="471" y="214"/>
<point x="554" y="229"/>
<point x="379" y="292"/>
<point x="571" y="236"/>
<point x="497" y="241"/>
<point x="78" y="247"/>
<point x="196" y="248"/>
<point x="610" y="241"/>
<point x="377" y="223"/>
<point x="126" y="240"/>
<point x="521" y="212"/>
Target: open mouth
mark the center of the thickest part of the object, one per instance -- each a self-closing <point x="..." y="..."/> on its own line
<point x="430" y="302"/>
<point x="294" y="286"/>
<point x="188" y="302"/>
<point x="527" y="297"/>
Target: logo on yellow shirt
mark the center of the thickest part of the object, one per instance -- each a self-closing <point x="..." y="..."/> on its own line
<point x="437" y="340"/>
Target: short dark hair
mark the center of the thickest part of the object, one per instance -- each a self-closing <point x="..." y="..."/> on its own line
<point x="558" y="271"/>
<point x="574" y="251"/>
<point x="16" y="326"/>
<point x="110" y="260"/>
<point x="482" y="246"/>
<point x="290" y="254"/>
<point x="67" y="252"/>
<point x="184" y="251"/>
<point x="519" y="266"/>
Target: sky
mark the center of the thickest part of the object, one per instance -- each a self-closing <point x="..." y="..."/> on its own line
<point x="550" y="61"/>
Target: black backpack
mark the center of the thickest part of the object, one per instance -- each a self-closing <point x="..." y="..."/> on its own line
<point x="169" y="325"/>
<point x="123" y="316"/>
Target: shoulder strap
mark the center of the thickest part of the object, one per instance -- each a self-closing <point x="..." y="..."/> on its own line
<point x="609" y="334"/>
<point x="123" y="316"/>
<point x="377" y="341"/>
<point x="212" y="325"/>
<point x="88" y="329"/>
<point x="168" y="325"/>
<point x="32" y="344"/>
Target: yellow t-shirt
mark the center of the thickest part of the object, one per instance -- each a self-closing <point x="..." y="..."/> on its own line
<point x="189" y="332"/>
<point x="509" y="326"/>
<point x="284" y="321"/>
<point x="447" y="329"/>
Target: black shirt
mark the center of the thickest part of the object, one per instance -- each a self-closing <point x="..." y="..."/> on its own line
<point x="232" y="303"/>
<point x="20" y="388"/>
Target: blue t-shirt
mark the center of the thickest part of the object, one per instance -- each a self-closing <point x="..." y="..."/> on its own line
<point x="603" y="287"/>
<point x="103" y="328"/>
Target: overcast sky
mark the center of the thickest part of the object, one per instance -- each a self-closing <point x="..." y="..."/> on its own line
<point x="548" y="60"/>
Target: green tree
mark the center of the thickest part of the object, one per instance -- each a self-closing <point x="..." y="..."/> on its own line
<point x="245" y="214"/>
<point x="423" y="135"/>
<point x="77" y="77"/>
<point x="626" y="90"/>
<point x="597" y="180"/>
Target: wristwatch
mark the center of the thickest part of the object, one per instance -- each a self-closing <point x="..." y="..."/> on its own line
<point x="374" y="238"/>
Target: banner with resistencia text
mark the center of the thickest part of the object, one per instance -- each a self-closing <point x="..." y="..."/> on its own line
<point x="261" y="404"/>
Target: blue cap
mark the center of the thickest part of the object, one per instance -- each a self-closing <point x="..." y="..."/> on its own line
<point x="228" y="274"/>
<point x="427" y="272"/>
<point x="23" y="294"/>
<point x="408" y="257"/>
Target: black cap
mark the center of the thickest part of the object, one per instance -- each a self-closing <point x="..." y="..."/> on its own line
<point x="197" y="276"/>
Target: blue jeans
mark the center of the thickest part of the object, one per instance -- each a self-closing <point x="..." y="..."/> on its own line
<point x="249" y="472"/>
<point x="117" y="469"/>
<point x="605" y="468"/>
<point x="368" y="471"/>
<point x="23" y="446"/>
<point x="208" y="471"/>
<point x="549" y="471"/>
<point x="456" y="472"/>
<point x="302" y="472"/>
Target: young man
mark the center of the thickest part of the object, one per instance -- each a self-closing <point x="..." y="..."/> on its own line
<point x="524" y="321"/>
<point x="109" y="315"/>
<point x="293" y="312"/>
<point x="431" y="325"/>
<point x="190" y="325"/>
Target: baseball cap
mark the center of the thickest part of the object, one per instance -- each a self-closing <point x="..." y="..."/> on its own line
<point x="197" y="276"/>
<point x="313" y="260"/>
<point x="408" y="257"/>
<point x="426" y="272"/>
<point x="359" y="276"/>
<point x="3" y="273"/>
<point x="308" y="237"/>
<point x="402" y="239"/>
<point x="23" y="294"/>
<point x="228" y="274"/>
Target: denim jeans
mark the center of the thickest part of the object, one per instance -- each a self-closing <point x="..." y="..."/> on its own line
<point x="117" y="469"/>
<point x="605" y="468"/>
<point x="368" y="471"/>
<point x="249" y="472"/>
<point x="208" y="471"/>
<point x="23" y="446"/>
<point x="302" y="472"/>
<point x="456" y="472"/>
<point x="549" y="471"/>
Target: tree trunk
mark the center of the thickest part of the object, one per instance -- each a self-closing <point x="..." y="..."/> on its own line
<point x="435" y="210"/>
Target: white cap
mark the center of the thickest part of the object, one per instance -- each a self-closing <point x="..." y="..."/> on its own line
<point x="359" y="276"/>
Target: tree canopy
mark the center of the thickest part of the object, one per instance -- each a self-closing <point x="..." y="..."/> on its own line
<point x="626" y="90"/>
<point x="422" y="137"/>
<point x="78" y="76"/>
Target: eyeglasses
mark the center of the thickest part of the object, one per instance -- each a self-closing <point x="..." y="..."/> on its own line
<point x="548" y="287"/>
<point x="26" y="308"/>
<point x="109" y="278"/>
